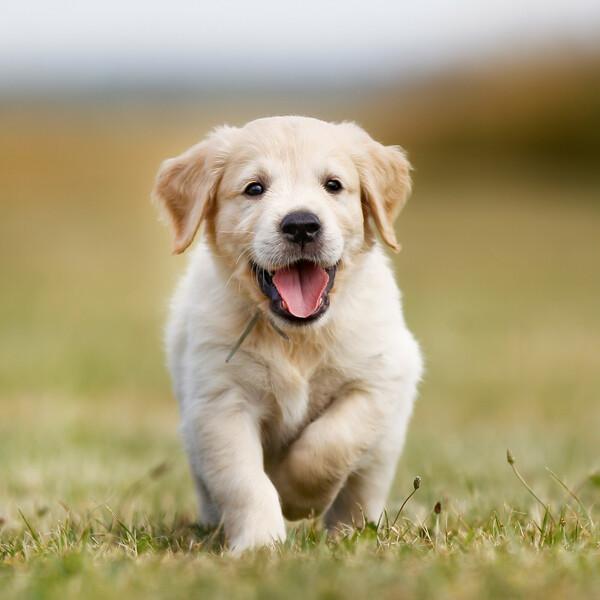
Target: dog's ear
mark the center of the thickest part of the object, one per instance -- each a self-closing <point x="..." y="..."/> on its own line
<point x="186" y="185"/>
<point x="385" y="182"/>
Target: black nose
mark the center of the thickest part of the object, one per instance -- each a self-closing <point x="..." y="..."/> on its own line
<point x="301" y="227"/>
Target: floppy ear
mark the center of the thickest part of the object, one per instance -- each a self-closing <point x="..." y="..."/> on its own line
<point x="385" y="183"/>
<point x="186" y="185"/>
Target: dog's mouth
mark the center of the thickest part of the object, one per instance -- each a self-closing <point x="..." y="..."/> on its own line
<point x="299" y="292"/>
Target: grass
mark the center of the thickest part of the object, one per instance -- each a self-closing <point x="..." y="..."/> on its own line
<point x="500" y="273"/>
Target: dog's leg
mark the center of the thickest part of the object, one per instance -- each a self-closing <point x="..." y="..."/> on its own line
<point x="351" y="450"/>
<point x="223" y="436"/>
<point x="328" y="450"/>
<point x="365" y="492"/>
<point x="363" y="496"/>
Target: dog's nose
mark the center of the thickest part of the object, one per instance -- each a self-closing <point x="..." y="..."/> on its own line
<point x="301" y="227"/>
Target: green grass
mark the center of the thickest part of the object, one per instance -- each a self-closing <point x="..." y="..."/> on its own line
<point x="501" y="278"/>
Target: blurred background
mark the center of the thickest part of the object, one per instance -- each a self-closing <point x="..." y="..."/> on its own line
<point x="498" y="106"/>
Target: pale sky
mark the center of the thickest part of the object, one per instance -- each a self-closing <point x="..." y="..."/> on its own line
<point x="91" y="42"/>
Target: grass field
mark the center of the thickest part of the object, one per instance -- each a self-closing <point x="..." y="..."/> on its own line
<point x="501" y="277"/>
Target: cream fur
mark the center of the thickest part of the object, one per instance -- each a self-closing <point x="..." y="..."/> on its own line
<point x="314" y="424"/>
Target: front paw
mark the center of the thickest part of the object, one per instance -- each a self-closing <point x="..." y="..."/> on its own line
<point x="257" y="524"/>
<point x="257" y="531"/>
<point x="305" y="487"/>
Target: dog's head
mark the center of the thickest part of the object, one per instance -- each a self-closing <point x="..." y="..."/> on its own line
<point x="286" y="203"/>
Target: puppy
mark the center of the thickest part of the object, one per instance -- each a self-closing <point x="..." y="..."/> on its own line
<point x="309" y="414"/>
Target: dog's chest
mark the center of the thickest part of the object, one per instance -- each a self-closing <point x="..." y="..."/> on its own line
<point x="298" y="397"/>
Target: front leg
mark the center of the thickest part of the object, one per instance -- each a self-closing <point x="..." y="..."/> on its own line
<point x="318" y="463"/>
<point x="223" y="441"/>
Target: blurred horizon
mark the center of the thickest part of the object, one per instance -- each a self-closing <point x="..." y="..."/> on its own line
<point x="542" y="111"/>
<point x="65" y="48"/>
<point x="451" y="82"/>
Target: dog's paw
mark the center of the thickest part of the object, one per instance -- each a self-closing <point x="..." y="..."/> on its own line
<point x="306" y="485"/>
<point x="259" y="531"/>
<point x="257" y="524"/>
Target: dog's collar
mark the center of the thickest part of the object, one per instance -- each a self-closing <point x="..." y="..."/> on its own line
<point x="249" y="327"/>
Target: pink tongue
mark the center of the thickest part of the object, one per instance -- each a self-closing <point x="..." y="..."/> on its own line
<point x="301" y="287"/>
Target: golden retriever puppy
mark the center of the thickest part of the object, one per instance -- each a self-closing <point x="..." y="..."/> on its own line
<point x="309" y="414"/>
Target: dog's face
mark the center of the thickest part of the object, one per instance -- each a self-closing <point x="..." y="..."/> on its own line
<point x="286" y="202"/>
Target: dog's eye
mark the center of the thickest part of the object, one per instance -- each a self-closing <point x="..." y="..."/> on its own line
<point x="333" y="185"/>
<point x="254" y="189"/>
